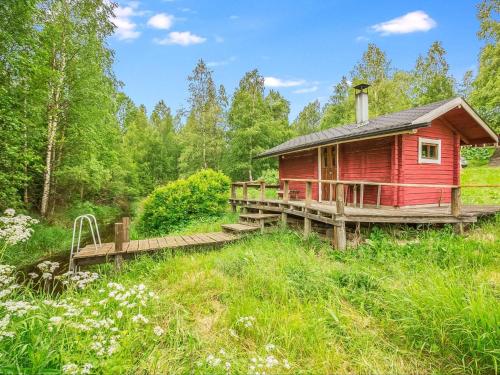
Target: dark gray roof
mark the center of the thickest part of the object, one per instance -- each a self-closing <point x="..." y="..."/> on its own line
<point x="386" y="124"/>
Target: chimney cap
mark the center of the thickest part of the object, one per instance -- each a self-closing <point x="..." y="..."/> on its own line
<point x="362" y="86"/>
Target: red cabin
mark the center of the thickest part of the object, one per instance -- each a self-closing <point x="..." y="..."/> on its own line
<point x="415" y="146"/>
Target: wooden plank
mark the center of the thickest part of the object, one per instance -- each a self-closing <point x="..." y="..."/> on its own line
<point x="153" y="244"/>
<point x="133" y="246"/>
<point x="143" y="245"/>
<point x="162" y="244"/>
<point x="171" y="242"/>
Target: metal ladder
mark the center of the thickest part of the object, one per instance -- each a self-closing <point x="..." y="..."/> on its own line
<point x="94" y="231"/>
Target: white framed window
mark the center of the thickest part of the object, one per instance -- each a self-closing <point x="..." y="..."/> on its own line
<point x="429" y="151"/>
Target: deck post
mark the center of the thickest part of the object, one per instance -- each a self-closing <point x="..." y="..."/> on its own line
<point x="307" y="225"/>
<point x="118" y="245"/>
<point x="286" y="191"/>
<point x="456" y="204"/>
<point x="308" y="193"/>
<point x="339" y="198"/>
<point x="379" y="188"/>
<point x="233" y="196"/>
<point x="245" y="191"/>
<point x="262" y="190"/>
<point x="361" y="195"/>
<point x="126" y="229"/>
<point x="284" y="219"/>
<point x="339" y="232"/>
<point x="339" y="236"/>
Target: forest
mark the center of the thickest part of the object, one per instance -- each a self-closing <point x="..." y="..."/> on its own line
<point x="69" y="132"/>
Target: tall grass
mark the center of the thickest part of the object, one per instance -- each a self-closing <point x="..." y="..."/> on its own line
<point x="418" y="302"/>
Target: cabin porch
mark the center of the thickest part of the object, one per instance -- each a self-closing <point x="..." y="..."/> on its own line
<point x="336" y="212"/>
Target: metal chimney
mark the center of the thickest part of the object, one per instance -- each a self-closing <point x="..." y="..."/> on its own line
<point x="361" y="103"/>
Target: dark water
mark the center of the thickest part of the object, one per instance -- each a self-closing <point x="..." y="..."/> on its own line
<point x="54" y="286"/>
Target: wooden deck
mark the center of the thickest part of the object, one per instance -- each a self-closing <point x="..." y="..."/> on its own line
<point x="327" y="212"/>
<point x="106" y="252"/>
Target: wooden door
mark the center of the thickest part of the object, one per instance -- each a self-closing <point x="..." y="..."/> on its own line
<point x="328" y="171"/>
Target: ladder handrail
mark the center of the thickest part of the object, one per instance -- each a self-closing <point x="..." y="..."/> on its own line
<point x="91" y="219"/>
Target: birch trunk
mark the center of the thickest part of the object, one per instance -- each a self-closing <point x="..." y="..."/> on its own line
<point x="58" y="66"/>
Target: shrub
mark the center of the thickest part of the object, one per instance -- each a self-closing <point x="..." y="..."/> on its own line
<point x="477" y="153"/>
<point x="271" y="176"/>
<point x="202" y="195"/>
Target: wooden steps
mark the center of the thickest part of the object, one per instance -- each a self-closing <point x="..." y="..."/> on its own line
<point x="239" y="228"/>
<point x="259" y="220"/>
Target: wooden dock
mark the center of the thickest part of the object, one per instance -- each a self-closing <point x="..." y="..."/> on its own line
<point x="92" y="254"/>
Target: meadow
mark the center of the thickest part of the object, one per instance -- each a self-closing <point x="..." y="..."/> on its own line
<point x="407" y="300"/>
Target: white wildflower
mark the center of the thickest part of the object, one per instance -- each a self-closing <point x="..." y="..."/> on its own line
<point x="47" y="276"/>
<point x="140" y="318"/>
<point x="119" y="314"/>
<point x="33" y="275"/>
<point x="269" y="347"/>
<point x="286" y="364"/>
<point x="4" y="322"/>
<point x="158" y="331"/>
<point x="71" y="369"/>
<point x="14" y="229"/>
<point x="246" y="321"/>
<point x="56" y="320"/>
<point x="86" y="368"/>
<point x="18" y="308"/>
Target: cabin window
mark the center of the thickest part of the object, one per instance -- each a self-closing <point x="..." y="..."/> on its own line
<point x="429" y="151"/>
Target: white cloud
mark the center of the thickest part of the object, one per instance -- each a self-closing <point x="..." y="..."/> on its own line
<point x="306" y="90"/>
<point x="126" y="29"/>
<point x="219" y="39"/>
<point x="161" y="21"/>
<point x="234" y="17"/>
<point x="362" y="38"/>
<point x="278" y="82"/>
<point x="182" y="38"/>
<point x="213" y="64"/>
<point x="409" y="23"/>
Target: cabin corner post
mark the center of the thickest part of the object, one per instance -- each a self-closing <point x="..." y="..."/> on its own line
<point x="456" y="203"/>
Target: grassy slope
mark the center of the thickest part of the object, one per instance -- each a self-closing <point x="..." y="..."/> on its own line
<point x="421" y="303"/>
<point x="477" y="175"/>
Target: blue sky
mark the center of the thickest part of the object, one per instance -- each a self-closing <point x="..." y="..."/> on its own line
<point x="301" y="47"/>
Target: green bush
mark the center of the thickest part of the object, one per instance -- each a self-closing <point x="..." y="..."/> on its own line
<point x="477" y="153"/>
<point x="202" y="195"/>
<point x="271" y="176"/>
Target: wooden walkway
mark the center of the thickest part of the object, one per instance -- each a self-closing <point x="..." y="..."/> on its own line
<point x="106" y="252"/>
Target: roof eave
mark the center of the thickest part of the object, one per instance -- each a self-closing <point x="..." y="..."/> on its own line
<point x="352" y="138"/>
<point x="437" y="112"/>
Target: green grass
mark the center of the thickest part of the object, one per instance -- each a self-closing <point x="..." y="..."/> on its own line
<point x="403" y="302"/>
<point x="481" y="175"/>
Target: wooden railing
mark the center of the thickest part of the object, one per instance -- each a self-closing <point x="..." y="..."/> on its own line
<point x="246" y="184"/>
